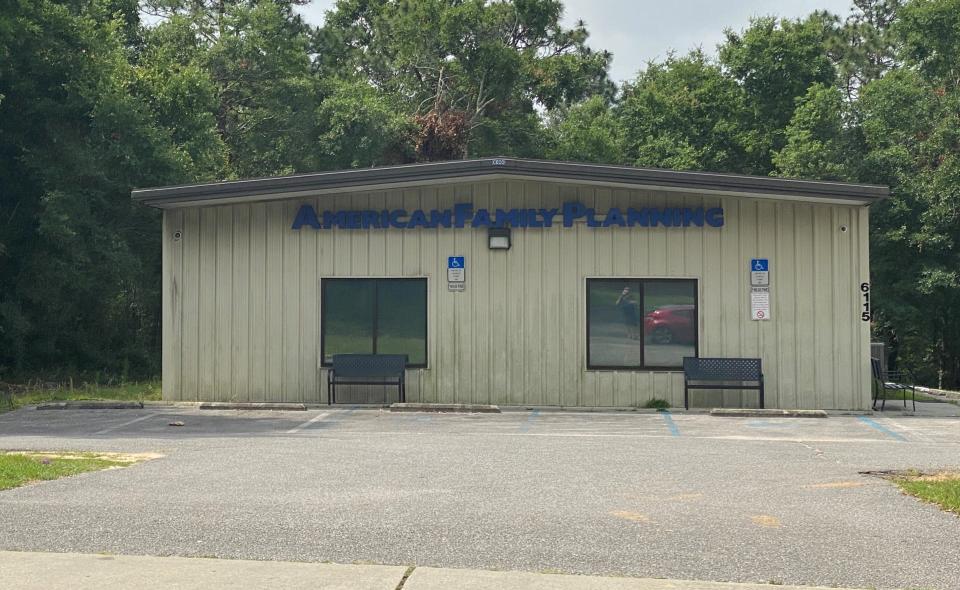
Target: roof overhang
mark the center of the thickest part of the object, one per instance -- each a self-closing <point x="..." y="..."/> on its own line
<point x="487" y="169"/>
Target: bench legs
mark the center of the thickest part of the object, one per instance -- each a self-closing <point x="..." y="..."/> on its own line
<point x="332" y="391"/>
<point x="686" y="396"/>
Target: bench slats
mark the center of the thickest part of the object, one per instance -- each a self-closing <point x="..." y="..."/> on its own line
<point x="366" y="369"/>
<point x="722" y="369"/>
<point x="369" y="365"/>
<point x="721" y="373"/>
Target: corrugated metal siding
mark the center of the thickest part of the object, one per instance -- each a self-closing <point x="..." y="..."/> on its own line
<point x="242" y="310"/>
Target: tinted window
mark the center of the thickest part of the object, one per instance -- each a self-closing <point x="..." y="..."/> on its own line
<point x="402" y="313"/>
<point x="670" y="328"/>
<point x="375" y="316"/>
<point x="637" y="323"/>
<point x="613" y="317"/>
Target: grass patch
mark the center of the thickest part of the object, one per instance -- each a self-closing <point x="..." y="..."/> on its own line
<point x="136" y="391"/>
<point x="17" y="469"/>
<point x="941" y="488"/>
<point x="900" y="395"/>
<point x="657" y="404"/>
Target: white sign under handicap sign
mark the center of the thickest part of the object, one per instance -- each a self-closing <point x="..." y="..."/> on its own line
<point x="760" y="303"/>
<point x="759" y="272"/>
<point x="456" y="273"/>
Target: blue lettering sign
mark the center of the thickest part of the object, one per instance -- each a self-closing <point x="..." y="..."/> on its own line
<point x="396" y="218"/>
<point x="306" y="216"/>
<point x="463" y="213"/>
<point x="417" y="218"/>
<point x="481" y="218"/>
<point x="548" y="215"/>
<point x="571" y="212"/>
<point x="635" y="217"/>
<point x="440" y="218"/>
<point x="614" y="217"/>
<point x="714" y="217"/>
<point x="507" y="218"/>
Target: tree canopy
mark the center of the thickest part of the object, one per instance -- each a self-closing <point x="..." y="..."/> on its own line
<point x="100" y="96"/>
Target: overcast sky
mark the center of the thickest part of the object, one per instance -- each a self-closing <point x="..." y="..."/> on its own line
<point x="637" y="31"/>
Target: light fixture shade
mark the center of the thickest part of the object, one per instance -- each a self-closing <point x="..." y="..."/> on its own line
<point x="499" y="238"/>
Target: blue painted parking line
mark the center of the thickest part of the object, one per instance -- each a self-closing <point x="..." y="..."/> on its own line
<point x="529" y="422"/>
<point x="877" y="426"/>
<point x="671" y="425"/>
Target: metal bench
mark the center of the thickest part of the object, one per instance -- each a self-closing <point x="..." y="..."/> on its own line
<point x="367" y="369"/>
<point x="721" y="373"/>
<point x="890" y="380"/>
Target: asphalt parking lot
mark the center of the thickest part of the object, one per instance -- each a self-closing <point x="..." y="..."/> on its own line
<point x="685" y="496"/>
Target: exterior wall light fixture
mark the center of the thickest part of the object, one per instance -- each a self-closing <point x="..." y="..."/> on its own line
<point x="499" y="238"/>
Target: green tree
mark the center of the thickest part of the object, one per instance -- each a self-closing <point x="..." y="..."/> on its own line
<point x="775" y="61"/>
<point x="587" y="132"/>
<point x="360" y="127"/>
<point x="819" y="143"/>
<point x="911" y="128"/>
<point x="686" y="114"/>
<point x="863" y="47"/>
<point x="79" y="270"/>
<point x="929" y="35"/>
<point x="471" y="73"/>
<point x="249" y="63"/>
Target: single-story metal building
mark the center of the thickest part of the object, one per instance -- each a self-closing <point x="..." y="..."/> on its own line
<point x="516" y="282"/>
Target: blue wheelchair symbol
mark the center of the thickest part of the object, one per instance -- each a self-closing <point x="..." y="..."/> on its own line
<point x="759" y="265"/>
<point x="455" y="262"/>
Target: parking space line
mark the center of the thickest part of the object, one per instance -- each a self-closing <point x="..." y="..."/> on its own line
<point x="316" y="418"/>
<point x="880" y="427"/>
<point x="125" y="424"/>
<point x="525" y="427"/>
<point x="915" y="433"/>
<point x="671" y="425"/>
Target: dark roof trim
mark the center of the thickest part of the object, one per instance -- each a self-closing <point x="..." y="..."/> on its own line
<point x="492" y="168"/>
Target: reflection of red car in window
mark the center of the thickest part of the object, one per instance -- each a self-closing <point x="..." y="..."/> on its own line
<point x="670" y="324"/>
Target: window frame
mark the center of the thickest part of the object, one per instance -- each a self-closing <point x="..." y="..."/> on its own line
<point x="376" y="317"/>
<point x="642" y="281"/>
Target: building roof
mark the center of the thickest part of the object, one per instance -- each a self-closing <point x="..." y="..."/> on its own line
<point x="504" y="168"/>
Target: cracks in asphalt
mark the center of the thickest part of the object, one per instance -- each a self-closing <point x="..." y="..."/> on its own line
<point x="819" y="453"/>
<point x="406" y="575"/>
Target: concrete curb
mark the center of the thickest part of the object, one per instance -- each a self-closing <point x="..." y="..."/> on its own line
<point x="430" y="578"/>
<point x="252" y="406"/>
<point x="29" y="570"/>
<point x="90" y="405"/>
<point x="76" y="571"/>
<point x="446" y="408"/>
<point x="601" y="410"/>
<point x="758" y="413"/>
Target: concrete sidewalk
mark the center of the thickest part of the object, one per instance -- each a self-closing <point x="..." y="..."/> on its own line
<point x="80" y="571"/>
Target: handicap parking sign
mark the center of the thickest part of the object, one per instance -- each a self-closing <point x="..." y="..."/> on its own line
<point x="759" y="265"/>
<point x="455" y="262"/>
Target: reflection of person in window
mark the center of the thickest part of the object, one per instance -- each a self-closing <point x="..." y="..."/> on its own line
<point x="628" y="308"/>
